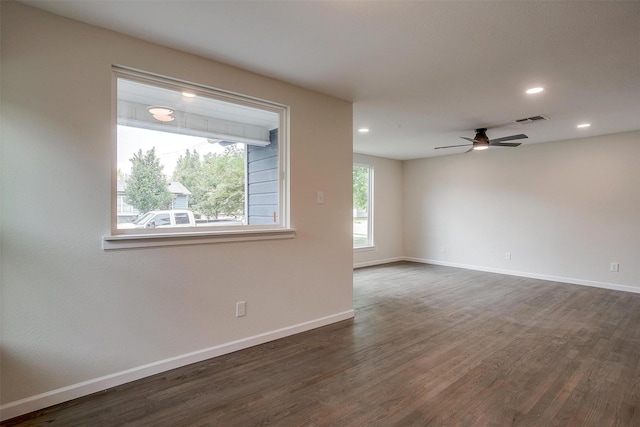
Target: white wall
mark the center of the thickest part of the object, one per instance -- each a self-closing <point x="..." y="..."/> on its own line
<point x="72" y="312"/>
<point x="565" y="210"/>
<point x="387" y="212"/>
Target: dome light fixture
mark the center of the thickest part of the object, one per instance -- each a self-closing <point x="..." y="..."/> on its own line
<point x="160" y="111"/>
<point x="583" y="125"/>
<point x="363" y="130"/>
<point x="162" y="114"/>
<point x="188" y="95"/>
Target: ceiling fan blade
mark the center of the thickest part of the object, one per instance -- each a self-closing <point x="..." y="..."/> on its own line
<point x="468" y="139"/>
<point x="509" y="138"/>
<point x="469" y="150"/>
<point x="504" y="144"/>
<point x="452" y="146"/>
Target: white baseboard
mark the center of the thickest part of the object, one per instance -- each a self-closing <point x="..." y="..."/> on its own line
<point x="377" y="262"/>
<point x="54" y="397"/>
<point x="569" y="280"/>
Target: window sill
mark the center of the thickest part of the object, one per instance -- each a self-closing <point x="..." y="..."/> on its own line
<point x="136" y="241"/>
<point x="365" y="248"/>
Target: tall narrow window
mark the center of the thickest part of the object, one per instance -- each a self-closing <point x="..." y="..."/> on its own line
<point x="362" y="206"/>
<point x="192" y="156"/>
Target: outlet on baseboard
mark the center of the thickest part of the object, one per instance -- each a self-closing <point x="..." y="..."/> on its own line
<point x="615" y="267"/>
<point x="241" y="308"/>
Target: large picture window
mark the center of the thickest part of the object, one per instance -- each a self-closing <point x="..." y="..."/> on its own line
<point x="192" y="158"/>
<point x="362" y="206"/>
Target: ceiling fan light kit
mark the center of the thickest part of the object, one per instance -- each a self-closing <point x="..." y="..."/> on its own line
<point x="481" y="141"/>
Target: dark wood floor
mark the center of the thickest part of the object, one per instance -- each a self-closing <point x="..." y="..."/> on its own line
<point x="430" y="345"/>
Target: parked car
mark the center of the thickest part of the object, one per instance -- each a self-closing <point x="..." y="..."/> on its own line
<point x="162" y="219"/>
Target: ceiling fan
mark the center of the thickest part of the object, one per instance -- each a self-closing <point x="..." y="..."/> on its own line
<point x="482" y="142"/>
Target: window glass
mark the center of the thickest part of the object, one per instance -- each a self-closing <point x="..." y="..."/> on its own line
<point x="362" y="206"/>
<point x="161" y="220"/>
<point x="182" y="218"/>
<point x="189" y="148"/>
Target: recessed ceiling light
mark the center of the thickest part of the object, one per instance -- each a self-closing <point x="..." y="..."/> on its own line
<point x="584" y="125"/>
<point x="188" y="94"/>
<point x="164" y="117"/>
<point x="535" y="90"/>
<point x="160" y="111"/>
<point x="363" y="130"/>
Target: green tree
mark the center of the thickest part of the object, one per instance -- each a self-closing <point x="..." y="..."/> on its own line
<point x="360" y="187"/>
<point x="222" y="180"/>
<point x="188" y="172"/>
<point x="147" y="186"/>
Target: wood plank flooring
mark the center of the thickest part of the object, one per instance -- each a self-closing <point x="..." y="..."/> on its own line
<point x="430" y="346"/>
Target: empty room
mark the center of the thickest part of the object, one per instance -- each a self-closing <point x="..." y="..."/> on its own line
<point x="319" y="213"/>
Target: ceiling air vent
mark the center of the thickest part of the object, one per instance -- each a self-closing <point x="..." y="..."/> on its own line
<point x="531" y="119"/>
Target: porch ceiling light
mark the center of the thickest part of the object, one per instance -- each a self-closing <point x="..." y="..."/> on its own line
<point x="160" y="111"/>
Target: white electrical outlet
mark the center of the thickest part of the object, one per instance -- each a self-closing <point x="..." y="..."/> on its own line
<point x="507" y="255"/>
<point x="241" y="308"/>
<point x="615" y="267"/>
<point x="443" y="249"/>
<point x="320" y="197"/>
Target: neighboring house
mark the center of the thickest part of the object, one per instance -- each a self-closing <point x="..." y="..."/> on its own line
<point x="179" y="191"/>
<point x="180" y="195"/>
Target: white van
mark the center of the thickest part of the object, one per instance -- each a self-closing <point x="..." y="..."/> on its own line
<point x="162" y="219"/>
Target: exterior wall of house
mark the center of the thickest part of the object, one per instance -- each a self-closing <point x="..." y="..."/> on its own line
<point x="181" y="201"/>
<point x="75" y="318"/>
<point x="262" y="176"/>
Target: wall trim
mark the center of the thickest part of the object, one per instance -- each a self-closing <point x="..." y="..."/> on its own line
<point x="551" y="278"/>
<point x="377" y="262"/>
<point x="74" y="391"/>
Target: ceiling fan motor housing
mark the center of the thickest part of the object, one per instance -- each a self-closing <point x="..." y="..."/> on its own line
<point x="481" y="136"/>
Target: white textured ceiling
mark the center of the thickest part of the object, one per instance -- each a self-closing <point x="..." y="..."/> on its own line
<point x="421" y="74"/>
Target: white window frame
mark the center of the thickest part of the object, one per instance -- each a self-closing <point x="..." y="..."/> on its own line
<point x="140" y="238"/>
<point x="370" y="241"/>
